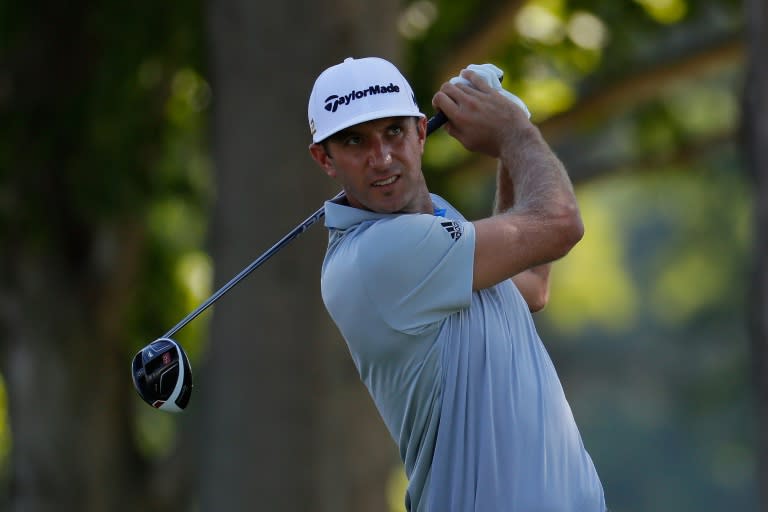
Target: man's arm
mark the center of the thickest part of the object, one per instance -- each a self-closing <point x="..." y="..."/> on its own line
<point x="533" y="283"/>
<point x="538" y="219"/>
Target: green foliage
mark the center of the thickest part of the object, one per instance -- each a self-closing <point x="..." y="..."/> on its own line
<point x="647" y="325"/>
<point x="104" y="127"/>
<point x="665" y="245"/>
<point x="103" y="131"/>
<point x="646" y="320"/>
<point x="592" y="286"/>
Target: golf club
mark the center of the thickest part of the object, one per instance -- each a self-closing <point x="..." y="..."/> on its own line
<point x="161" y="371"/>
<point x="162" y="375"/>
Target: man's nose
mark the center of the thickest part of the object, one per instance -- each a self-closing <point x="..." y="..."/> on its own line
<point x="380" y="154"/>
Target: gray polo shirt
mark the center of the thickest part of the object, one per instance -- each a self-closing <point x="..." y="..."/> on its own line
<point x="461" y="378"/>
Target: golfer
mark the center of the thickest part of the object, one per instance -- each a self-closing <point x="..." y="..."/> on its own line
<point x="435" y="309"/>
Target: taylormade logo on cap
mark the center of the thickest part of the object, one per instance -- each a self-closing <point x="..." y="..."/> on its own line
<point x="333" y="101"/>
<point x="356" y="91"/>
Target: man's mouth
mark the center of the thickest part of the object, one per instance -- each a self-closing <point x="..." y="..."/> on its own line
<point x="385" y="182"/>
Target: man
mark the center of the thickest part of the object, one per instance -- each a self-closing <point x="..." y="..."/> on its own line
<point x="435" y="310"/>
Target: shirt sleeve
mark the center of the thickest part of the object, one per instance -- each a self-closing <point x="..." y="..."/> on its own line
<point x="417" y="269"/>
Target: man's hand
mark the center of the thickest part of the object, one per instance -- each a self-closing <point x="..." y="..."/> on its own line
<point x="537" y="219"/>
<point x="481" y="117"/>
<point x="493" y="77"/>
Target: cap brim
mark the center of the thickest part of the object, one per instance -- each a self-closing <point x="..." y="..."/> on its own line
<point x="368" y="116"/>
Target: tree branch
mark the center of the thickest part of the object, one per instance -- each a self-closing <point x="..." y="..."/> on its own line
<point x="637" y="88"/>
<point x="623" y="95"/>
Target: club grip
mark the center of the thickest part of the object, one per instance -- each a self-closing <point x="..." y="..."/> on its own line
<point x="440" y="119"/>
<point x="436" y="122"/>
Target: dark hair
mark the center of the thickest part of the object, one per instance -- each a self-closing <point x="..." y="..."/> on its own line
<point x="326" y="147"/>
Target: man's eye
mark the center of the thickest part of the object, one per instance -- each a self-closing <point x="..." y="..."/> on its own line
<point x="352" y="141"/>
<point x="395" y="130"/>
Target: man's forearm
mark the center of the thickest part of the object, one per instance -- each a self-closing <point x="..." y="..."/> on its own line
<point x="530" y="176"/>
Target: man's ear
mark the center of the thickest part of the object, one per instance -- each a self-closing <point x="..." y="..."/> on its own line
<point x="323" y="159"/>
<point x="421" y="126"/>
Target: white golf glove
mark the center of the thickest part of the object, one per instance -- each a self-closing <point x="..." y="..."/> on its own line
<point x="492" y="76"/>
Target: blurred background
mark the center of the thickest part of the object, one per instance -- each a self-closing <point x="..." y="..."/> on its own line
<point x="151" y="150"/>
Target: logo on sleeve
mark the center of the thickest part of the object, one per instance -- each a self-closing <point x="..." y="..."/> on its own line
<point x="453" y="228"/>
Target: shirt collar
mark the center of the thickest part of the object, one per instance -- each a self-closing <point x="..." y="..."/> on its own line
<point x="342" y="216"/>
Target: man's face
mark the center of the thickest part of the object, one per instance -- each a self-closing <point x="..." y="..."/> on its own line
<point x="378" y="164"/>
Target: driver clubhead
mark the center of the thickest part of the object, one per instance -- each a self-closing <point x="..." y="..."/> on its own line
<point x="162" y="375"/>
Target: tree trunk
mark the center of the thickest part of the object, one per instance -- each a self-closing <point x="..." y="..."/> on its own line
<point x="62" y="356"/>
<point x="286" y="423"/>
<point x="71" y="245"/>
<point x="63" y="366"/>
<point x="756" y="148"/>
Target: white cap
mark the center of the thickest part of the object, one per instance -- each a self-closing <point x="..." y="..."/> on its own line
<point x="355" y="91"/>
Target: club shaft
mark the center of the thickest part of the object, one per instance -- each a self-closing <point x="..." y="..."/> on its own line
<point x="433" y="124"/>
